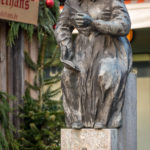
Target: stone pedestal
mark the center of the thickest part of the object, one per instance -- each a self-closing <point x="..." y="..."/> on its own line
<point x="124" y="138"/>
<point x="89" y="139"/>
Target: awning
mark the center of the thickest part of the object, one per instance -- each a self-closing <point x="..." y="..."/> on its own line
<point x="140" y="14"/>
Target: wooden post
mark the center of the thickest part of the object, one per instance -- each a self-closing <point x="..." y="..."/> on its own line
<point x="3" y="77"/>
<point x="3" y="73"/>
<point x="10" y="79"/>
<point x="18" y="76"/>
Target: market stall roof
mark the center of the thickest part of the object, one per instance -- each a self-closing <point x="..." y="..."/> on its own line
<point x="139" y="13"/>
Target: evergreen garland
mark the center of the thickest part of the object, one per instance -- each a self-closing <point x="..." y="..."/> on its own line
<point x="47" y="18"/>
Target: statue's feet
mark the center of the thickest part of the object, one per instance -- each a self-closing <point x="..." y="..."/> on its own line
<point x="99" y="125"/>
<point x="77" y="125"/>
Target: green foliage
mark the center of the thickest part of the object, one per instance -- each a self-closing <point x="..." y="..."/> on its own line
<point x="7" y="141"/>
<point x="43" y="117"/>
<point x="29" y="62"/>
<point x="14" y="31"/>
<point x="46" y="19"/>
<point x="41" y="128"/>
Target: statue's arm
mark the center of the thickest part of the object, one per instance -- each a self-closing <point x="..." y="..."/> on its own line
<point x="119" y="24"/>
<point x="63" y="32"/>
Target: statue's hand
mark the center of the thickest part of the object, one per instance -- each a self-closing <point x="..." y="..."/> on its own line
<point x="83" y="20"/>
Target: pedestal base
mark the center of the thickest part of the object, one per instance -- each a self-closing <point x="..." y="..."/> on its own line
<point x="89" y="139"/>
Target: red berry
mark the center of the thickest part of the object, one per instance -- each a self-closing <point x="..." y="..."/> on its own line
<point x="50" y="3"/>
<point x="54" y="26"/>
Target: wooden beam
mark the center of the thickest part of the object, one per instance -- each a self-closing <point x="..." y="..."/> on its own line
<point x="3" y="75"/>
<point x="18" y="77"/>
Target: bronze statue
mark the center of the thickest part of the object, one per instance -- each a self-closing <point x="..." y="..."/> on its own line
<point x="96" y="64"/>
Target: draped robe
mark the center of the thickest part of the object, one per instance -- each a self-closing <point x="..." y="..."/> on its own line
<point x="104" y="56"/>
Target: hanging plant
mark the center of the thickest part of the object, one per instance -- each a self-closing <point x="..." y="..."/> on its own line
<point x="48" y="15"/>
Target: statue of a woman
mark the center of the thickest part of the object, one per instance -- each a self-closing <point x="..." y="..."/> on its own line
<point x="97" y="63"/>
